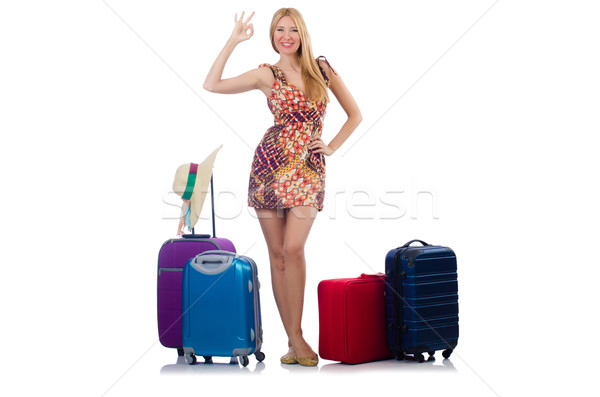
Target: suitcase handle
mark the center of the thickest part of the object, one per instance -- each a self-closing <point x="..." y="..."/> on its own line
<point x="213" y="262"/>
<point x="414" y="241"/>
<point x="193" y="235"/>
<point x="378" y="275"/>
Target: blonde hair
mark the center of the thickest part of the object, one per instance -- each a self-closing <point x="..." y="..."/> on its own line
<point x="315" y="87"/>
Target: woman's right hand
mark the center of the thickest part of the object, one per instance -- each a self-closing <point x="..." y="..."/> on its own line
<point x="242" y="30"/>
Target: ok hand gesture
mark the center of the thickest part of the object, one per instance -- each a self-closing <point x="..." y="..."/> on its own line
<point x="242" y="30"/>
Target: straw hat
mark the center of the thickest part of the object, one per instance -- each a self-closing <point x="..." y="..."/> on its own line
<point x="191" y="183"/>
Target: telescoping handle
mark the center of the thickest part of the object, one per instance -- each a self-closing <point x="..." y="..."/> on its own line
<point x="212" y="204"/>
<point x="414" y="241"/>
<point x="213" y="262"/>
<point x="212" y="207"/>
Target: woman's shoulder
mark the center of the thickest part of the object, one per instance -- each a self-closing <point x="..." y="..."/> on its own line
<point x="267" y="69"/>
<point x="266" y="74"/>
<point x="325" y="66"/>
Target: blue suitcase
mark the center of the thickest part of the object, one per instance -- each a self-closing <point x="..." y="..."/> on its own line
<point x="421" y="300"/>
<point x="221" y="307"/>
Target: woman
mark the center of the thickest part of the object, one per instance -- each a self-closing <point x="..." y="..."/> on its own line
<point x="287" y="181"/>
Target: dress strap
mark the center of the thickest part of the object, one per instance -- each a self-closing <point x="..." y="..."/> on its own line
<point x="273" y="68"/>
<point x="322" y="58"/>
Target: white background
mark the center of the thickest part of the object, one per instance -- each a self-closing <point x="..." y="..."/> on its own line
<point x="478" y="134"/>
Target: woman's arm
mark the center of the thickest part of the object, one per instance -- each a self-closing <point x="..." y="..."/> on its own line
<point x="349" y="105"/>
<point x="254" y="79"/>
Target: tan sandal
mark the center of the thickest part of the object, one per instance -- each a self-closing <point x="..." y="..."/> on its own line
<point x="308" y="361"/>
<point x="289" y="358"/>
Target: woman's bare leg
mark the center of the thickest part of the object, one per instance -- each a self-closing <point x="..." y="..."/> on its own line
<point x="298" y="223"/>
<point x="273" y="223"/>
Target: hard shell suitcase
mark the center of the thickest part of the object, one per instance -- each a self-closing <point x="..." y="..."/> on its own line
<point x="221" y="307"/>
<point x="421" y="300"/>
<point x="352" y="319"/>
<point x="172" y="257"/>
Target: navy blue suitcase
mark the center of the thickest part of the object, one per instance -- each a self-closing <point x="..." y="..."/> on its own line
<point x="421" y="300"/>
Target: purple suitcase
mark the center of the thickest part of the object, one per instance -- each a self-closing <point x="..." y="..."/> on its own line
<point x="172" y="257"/>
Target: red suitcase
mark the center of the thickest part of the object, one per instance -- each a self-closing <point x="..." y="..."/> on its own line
<point x="352" y="319"/>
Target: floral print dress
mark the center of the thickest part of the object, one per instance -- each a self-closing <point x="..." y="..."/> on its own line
<point x="285" y="172"/>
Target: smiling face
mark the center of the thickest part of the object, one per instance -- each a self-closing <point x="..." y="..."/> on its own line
<point x="286" y="36"/>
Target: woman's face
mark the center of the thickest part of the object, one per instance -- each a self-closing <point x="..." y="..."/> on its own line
<point x="286" y="36"/>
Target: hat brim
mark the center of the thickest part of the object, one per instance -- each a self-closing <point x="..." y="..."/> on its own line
<point x="203" y="175"/>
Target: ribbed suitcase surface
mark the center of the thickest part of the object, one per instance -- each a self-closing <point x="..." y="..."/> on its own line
<point x="421" y="300"/>
<point x="221" y="307"/>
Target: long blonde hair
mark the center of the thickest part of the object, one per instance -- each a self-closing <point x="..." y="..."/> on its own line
<point x="315" y="87"/>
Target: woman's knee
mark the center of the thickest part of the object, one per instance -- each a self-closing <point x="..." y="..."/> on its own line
<point x="277" y="259"/>
<point x="293" y="253"/>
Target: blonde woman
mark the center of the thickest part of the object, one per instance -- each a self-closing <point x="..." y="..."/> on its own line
<point x="287" y="179"/>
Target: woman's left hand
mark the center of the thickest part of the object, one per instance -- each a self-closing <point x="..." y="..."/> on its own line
<point x="318" y="146"/>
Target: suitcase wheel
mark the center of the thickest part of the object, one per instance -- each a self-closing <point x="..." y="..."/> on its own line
<point x="446" y="353"/>
<point x="208" y="359"/>
<point x="420" y="358"/>
<point x="431" y="354"/>
<point x="190" y="358"/>
<point x="400" y="356"/>
<point x="245" y="361"/>
<point x="260" y="356"/>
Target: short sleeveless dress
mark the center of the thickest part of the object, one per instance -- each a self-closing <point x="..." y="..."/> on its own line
<point x="285" y="172"/>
